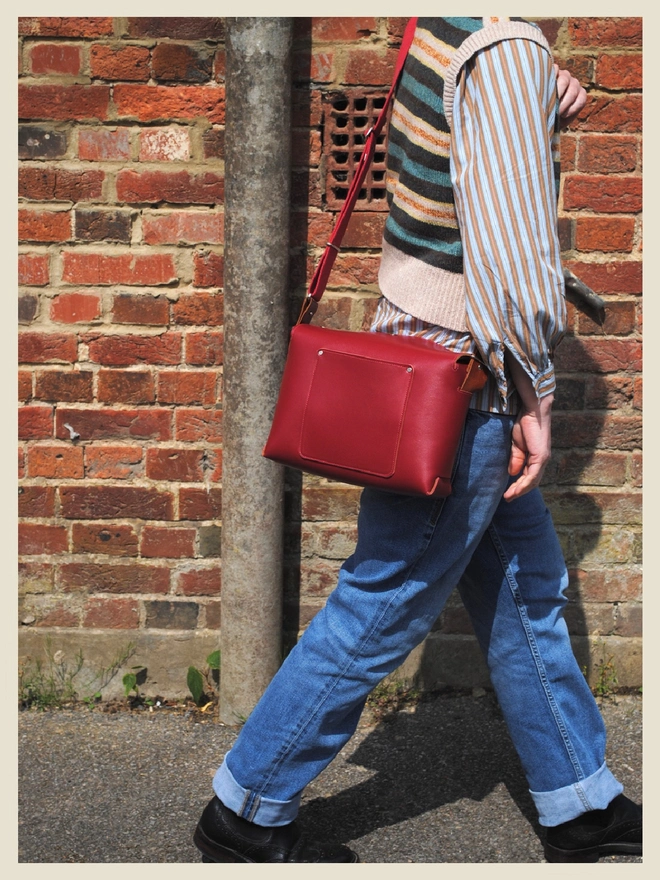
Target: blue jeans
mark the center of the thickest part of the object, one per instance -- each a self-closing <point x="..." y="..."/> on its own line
<point x="410" y="554"/>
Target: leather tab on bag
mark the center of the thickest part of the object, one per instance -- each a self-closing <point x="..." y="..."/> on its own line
<point x="475" y="378"/>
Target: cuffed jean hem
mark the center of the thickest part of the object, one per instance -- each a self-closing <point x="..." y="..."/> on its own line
<point x="593" y="793"/>
<point x="250" y="806"/>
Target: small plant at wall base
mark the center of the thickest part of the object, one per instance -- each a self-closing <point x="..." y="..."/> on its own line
<point x="55" y="682"/>
<point x="210" y="677"/>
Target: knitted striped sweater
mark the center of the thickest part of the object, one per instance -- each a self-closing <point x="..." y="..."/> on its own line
<point x="422" y="261"/>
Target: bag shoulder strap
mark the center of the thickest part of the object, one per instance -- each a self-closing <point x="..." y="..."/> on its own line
<point x="320" y="278"/>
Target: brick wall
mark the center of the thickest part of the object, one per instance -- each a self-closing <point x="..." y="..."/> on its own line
<point x="121" y="326"/>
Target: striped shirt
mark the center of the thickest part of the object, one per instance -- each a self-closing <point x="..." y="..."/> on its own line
<point x="502" y="138"/>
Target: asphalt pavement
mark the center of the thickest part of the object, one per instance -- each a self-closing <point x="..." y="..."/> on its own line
<point x="437" y="783"/>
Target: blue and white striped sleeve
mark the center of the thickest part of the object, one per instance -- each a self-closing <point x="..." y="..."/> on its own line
<point x="502" y="176"/>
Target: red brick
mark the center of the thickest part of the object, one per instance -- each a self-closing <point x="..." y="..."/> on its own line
<point x="620" y="320"/>
<point x="608" y="154"/>
<point x="43" y="348"/>
<point x="98" y="268"/>
<point x="181" y="465"/>
<point x="208" y="269"/>
<point x="636" y="470"/>
<point x="619" y="72"/>
<point x="365" y="230"/>
<point x="28" y="306"/>
<point x="568" y="152"/>
<point x="101" y="424"/>
<point x="175" y="187"/>
<point x="350" y="270"/>
<point x="36" y="577"/>
<point x="195" y="425"/>
<point x="310" y="228"/>
<point x="113" y="462"/>
<point x="306" y="189"/>
<point x="21" y="462"/>
<point x="133" y="349"/>
<point x="565" y="228"/>
<point x="605" y="585"/>
<point x="200" y="504"/>
<point x="316" y="66"/>
<point x="202" y="582"/>
<point x="58" y="613"/>
<point x="603" y="194"/>
<point x="370" y="67"/>
<point x="204" y="349"/>
<point x="213" y="615"/>
<point x="167" y="543"/>
<point x="35" y="422"/>
<point x="111" y="614"/>
<point x="638" y="393"/>
<point x="63" y="102"/>
<point x="582" y="67"/>
<point x="604" y="234"/>
<point x="550" y="28"/>
<point x="611" y="277"/>
<point x="73" y="308"/>
<point x="615" y="113"/>
<point x="110" y="502"/>
<point x="339" y="29"/>
<point x="220" y="65"/>
<point x="152" y="103"/>
<point x="306" y="110"/>
<point x="126" y="386"/>
<point x="66" y="27"/>
<point x="396" y="28"/>
<point x="178" y="28"/>
<point x="44" y="184"/>
<point x="213" y="142"/>
<point x="33" y="269"/>
<point x="608" y="392"/>
<point x="140" y="308"/>
<point x="164" y="145"/>
<point x="593" y="468"/>
<point x="593" y="429"/>
<point x="200" y="308"/>
<point x="64" y="58"/>
<point x="34" y="538"/>
<point x="602" y="32"/>
<point x="104" y="144"/>
<point x="189" y="387"/>
<point x="36" y="501"/>
<point x="25" y="386"/>
<point x="117" y="62"/>
<point x="44" y="226"/>
<point x="179" y="62"/>
<point x="305" y="148"/>
<point x="102" y="225"/>
<point x="114" y="578"/>
<point x="610" y="355"/>
<point x="183" y="227"/>
<point x="112" y="539"/>
<point x="55" y="461"/>
<point x="65" y="386"/>
<point x="331" y="502"/>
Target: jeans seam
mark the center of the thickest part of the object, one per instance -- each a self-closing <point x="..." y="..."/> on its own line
<point x="536" y="656"/>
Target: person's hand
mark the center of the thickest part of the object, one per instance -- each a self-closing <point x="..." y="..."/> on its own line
<point x="572" y="97"/>
<point x="530" y="448"/>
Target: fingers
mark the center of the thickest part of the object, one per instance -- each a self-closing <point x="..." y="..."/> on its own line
<point x="572" y="97"/>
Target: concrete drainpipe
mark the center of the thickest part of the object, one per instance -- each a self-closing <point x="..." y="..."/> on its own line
<point x="257" y="196"/>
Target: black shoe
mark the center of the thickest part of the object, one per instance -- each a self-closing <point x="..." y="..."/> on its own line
<point x="222" y="836"/>
<point x="615" y="830"/>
